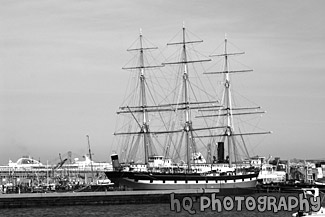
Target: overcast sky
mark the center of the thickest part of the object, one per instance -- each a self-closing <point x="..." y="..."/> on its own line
<point x="61" y="77"/>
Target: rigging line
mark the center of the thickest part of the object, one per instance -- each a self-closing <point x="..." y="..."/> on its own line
<point x="157" y="142"/>
<point x="237" y="93"/>
<point x="215" y="64"/>
<point x="203" y="69"/>
<point x="134" y="117"/>
<point x="240" y="63"/>
<point x="126" y="148"/>
<point x="203" y="90"/>
<point x="259" y="143"/>
<point x="134" y="149"/>
<point x="145" y="40"/>
<point x="131" y="97"/>
<point x="240" y="152"/>
<point x="177" y="148"/>
<point x="190" y="85"/>
<point x="132" y="60"/>
<point x="125" y="124"/>
<point x="180" y="32"/>
<point x="128" y="142"/>
<point x="152" y="59"/>
<point x="219" y="118"/>
<point x="180" y="90"/>
<point x="166" y="146"/>
<point x="163" y="95"/>
<point x="134" y="42"/>
<point x="244" y="143"/>
<point x="192" y="142"/>
<point x="176" y="86"/>
<point x="159" y="113"/>
<point x="246" y="140"/>
<point x="149" y="88"/>
<point x="163" y="50"/>
<point x="257" y="123"/>
<point x="197" y="53"/>
<point x="241" y="120"/>
<point x="220" y="46"/>
<point x="152" y="148"/>
<point x="200" y="139"/>
<point x="248" y="122"/>
<point x="230" y="42"/>
<point x="214" y="91"/>
<point x="126" y="90"/>
<point x="171" y="142"/>
<point x="175" y="55"/>
<point x="234" y="146"/>
<point x="174" y="96"/>
<point x="188" y="33"/>
<point x="172" y="89"/>
<point x="176" y="119"/>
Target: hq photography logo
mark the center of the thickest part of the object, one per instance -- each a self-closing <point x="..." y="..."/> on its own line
<point x="239" y="203"/>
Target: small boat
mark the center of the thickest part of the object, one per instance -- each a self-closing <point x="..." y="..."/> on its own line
<point x="311" y="192"/>
<point x="268" y="174"/>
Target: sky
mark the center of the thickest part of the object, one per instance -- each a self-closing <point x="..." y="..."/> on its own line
<point x="61" y="76"/>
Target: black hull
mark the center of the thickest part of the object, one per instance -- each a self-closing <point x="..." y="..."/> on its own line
<point x="235" y="184"/>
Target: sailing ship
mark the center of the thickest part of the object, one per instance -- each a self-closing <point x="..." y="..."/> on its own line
<point x="160" y="172"/>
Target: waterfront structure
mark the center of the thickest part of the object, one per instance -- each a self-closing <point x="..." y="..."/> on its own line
<point x="31" y="173"/>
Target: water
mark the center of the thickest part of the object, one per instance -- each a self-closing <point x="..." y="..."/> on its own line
<point x="164" y="209"/>
<point x="126" y="210"/>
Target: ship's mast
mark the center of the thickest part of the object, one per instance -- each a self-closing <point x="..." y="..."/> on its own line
<point x="188" y="123"/>
<point x="188" y="130"/>
<point x="143" y="107"/>
<point x="145" y="127"/>
<point x="228" y="110"/>
<point x="228" y="105"/>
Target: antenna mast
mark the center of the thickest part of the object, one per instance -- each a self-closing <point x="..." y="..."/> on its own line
<point x="91" y="159"/>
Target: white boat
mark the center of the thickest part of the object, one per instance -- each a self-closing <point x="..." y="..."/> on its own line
<point x="313" y="192"/>
<point x="268" y="174"/>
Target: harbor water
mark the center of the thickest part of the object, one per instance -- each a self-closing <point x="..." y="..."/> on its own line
<point x="175" y="206"/>
<point x="127" y="210"/>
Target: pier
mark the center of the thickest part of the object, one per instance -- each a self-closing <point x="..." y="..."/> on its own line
<point x="96" y="198"/>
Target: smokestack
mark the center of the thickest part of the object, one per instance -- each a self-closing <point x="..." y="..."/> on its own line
<point x="115" y="162"/>
<point x="221" y="152"/>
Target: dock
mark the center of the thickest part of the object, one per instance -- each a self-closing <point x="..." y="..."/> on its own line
<point x="96" y="198"/>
